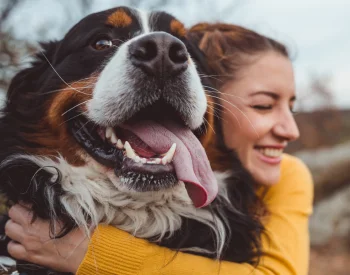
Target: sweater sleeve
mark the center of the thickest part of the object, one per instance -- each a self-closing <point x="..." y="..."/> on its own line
<point x="285" y="244"/>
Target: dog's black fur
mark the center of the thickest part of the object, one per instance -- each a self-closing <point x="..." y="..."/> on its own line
<point x="26" y="106"/>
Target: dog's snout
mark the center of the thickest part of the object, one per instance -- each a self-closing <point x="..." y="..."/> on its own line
<point x="159" y="54"/>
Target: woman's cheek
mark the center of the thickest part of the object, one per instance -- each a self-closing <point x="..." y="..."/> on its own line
<point x="261" y="126"/>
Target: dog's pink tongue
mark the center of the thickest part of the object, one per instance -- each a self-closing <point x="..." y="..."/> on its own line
<point x="190" y="160"/>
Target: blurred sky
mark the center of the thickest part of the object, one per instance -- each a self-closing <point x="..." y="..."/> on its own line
<point x="317" y="32"/>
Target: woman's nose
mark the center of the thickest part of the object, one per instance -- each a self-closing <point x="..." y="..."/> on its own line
<point x="286" y="127"/>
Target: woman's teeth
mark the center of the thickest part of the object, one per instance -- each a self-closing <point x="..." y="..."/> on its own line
<point x="271" y="152"/>
<point x="130" y="153"/>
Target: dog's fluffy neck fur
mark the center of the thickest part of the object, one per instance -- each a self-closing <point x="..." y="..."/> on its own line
<point x="91" y="198"/>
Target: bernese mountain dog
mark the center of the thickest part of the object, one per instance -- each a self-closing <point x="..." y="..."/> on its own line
<point x="106" y="127"/>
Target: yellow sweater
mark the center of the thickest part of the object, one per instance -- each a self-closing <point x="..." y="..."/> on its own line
<point x="286" y="249"/>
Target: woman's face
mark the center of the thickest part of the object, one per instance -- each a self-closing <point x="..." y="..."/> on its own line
<point x="257" y="114"/>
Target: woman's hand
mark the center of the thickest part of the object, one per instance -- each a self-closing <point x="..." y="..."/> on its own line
<point x="32" y="242"/>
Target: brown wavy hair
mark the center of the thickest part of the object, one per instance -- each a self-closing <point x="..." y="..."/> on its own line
<point x="227" y="47"/>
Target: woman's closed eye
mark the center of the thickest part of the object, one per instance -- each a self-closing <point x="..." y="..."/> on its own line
<point x="262" y="107"/>
<point x="265" y="107"/>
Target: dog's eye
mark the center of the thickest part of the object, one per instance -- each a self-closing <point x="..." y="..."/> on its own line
<point x="102" y="44"/>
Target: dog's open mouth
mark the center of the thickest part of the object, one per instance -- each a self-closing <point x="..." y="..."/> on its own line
<point x="152" y="151"/>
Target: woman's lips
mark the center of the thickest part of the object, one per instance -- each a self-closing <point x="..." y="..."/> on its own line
<point x="270" y="155"/>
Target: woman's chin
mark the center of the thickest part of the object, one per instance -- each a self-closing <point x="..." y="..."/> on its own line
<point x="264" y="172"/>
<point x="266" y="177"/>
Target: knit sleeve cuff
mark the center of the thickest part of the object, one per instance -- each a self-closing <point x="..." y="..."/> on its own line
<point x="112" y="251"/>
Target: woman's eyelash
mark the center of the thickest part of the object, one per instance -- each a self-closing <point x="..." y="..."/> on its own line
<point x="292" y="111"/>
<point x="269" y="107"/>
<point x="262" y="107"/>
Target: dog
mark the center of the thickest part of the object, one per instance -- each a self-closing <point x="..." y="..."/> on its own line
<point x="109" y="125"/>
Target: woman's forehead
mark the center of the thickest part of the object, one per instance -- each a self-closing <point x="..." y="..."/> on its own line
<point x="269" y="71"/>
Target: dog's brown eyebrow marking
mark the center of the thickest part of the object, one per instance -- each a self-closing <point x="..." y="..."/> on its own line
<point x="177" y="28"/>
<point x="119" y="19"/>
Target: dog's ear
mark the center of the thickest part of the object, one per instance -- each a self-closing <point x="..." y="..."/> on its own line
<point x="200" y="59"/>
<point x="197" y="56"/>
<point x="27" y="80"/>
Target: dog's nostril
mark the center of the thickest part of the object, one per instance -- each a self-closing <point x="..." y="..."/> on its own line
<point x="146" y="52"/>
<point x="177" y="53"/>
<point x="159" y="54"/>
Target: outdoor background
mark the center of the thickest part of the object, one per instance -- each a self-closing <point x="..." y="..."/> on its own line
<point x="318" y="36"/>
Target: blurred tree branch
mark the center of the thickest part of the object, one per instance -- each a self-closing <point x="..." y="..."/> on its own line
<point x="318" y="94"/>
<point x="8" y="47"/>
<point x="13" y="50"/>
<point x="7" y="9"/>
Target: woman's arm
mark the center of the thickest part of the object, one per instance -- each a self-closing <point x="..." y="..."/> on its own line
<point x="286" y="243"/>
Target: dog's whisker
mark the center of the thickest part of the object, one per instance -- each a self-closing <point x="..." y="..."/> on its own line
<point x="88" y="80"/>
<point x="236" y="96"/>
<point x="218" y="75"/>
<point x="234" y="106"/>
<point x="120" y="40"/>
<point x="80" y="114"/>
<point x="65" y="89"/>
<point x="209" y="125"/>
<point x="216" y="90"/>
<point x="210" y="76"/>
<point x="81" y="103"/>
<point x="222" y="106"/>
<point x="59" y="74"/>
<point x="89" y="77"/>
<point x="83" y="126"/>
<point x="216" y="114"/>
<point x="205" y="126"/>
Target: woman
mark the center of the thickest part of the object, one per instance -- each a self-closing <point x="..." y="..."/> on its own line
<point x="255" y="77"/>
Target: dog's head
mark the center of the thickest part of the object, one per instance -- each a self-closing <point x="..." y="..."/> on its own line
<point x="119" y="94"/>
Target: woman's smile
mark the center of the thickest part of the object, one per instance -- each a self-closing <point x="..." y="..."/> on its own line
<point x="269" y="154"/>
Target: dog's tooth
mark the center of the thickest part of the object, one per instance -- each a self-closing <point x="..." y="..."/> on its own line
<point x="109" y="132"/>
<point x="158" y="160"/>
<point x="169" y="155"/>
<point x="143" y="160"/>
<point x="129" y="151"/>
<point x="137" y="159"/>
<point x="114" y="139"/>
<point x="120" y="144"/>
<point x="164" y="160"/>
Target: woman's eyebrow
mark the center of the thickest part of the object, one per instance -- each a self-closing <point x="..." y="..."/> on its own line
<point x="273" y="95"/>
<point x="268" y="93"/>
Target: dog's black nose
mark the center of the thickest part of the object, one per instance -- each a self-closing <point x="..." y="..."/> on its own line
<point x="159" y="54"/>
